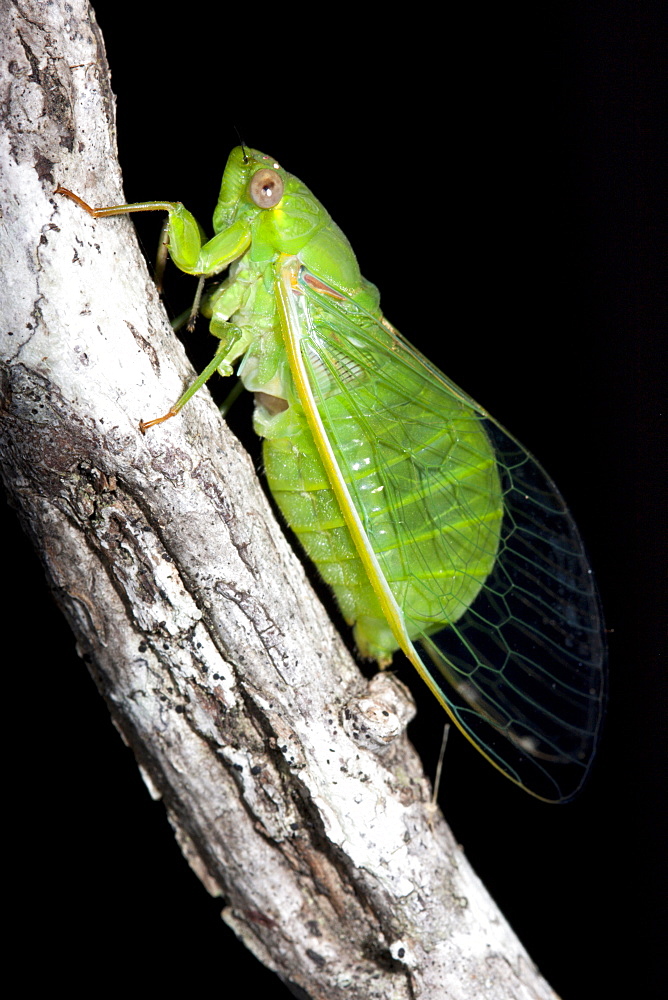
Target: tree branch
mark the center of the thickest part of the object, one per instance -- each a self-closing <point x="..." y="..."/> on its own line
<point x="289" y="781"/>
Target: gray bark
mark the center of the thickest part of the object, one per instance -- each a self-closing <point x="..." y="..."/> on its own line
<point x="292" y="789"/>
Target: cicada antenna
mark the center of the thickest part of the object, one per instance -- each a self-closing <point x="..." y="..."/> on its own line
<point x="241" y="143"/>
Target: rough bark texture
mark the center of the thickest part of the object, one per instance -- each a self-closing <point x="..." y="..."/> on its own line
<point x="289" y="781"/>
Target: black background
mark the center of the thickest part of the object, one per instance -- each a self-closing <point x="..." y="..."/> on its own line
<point x="500" y="180"/>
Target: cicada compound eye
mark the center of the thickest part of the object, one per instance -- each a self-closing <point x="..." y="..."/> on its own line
<point x="266" y="188"/>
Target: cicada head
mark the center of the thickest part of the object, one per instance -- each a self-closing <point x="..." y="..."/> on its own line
<point x="283" y="214"/>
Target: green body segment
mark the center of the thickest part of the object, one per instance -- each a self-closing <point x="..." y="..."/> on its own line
<point x="421" y="473"/>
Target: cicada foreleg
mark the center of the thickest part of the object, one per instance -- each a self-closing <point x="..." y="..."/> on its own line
<point x="183" y="239"/>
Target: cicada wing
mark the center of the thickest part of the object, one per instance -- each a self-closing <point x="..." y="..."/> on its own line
<point x="524" y="667"/>
<point x="512" y="643"/>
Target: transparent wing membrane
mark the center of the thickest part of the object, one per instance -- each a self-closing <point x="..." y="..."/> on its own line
<point x="476" y="543"/>
<point x="522" y="669"/>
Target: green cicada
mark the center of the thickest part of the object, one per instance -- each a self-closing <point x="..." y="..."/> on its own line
<point x="439" y="534"/>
